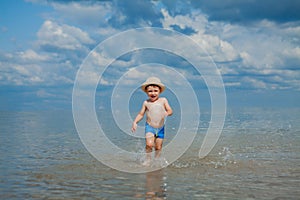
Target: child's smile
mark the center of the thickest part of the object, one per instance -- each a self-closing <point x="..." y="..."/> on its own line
<point x="153" y="92"/>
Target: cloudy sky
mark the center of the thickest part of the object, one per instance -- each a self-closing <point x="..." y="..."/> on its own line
<point x="254" y="44"/>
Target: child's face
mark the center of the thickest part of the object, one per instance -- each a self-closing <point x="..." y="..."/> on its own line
<point x="153" y="92"/>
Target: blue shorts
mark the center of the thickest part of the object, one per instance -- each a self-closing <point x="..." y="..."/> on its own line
<point x="157" y="132"/>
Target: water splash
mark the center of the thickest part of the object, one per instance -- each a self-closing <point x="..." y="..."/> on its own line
<point x="226" y="158"/>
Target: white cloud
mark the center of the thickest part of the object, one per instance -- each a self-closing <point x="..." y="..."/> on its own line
<point x="104" y="81"/>
<point x="91" y="14"/>
<point x="263" y="50"/>
<point x="22" y="70"/>
<point x="88" y="78"/>
<point x="134" y="73"/>
<point x="32" y="68"/>
<point x="232" y="84"/>
<point x="263" y="55"/>
<point x="21" y="74"/>
<point x="62" y="36"/>
<point x="32" y="56"/>
<point x="185" y="21"/>
<point x="105" y="32"/>
<point x="220" y="50"/>
<point x="35" y="79"/>
<point x="255" y="83"/>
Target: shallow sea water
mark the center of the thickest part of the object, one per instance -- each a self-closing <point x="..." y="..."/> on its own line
<point x="256" y="157"/>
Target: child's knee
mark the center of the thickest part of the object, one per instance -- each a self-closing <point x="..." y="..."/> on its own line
<point x="158" y="147"/>
<point x="149" y="145"/>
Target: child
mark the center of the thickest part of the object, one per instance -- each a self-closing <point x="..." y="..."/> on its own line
<point x="156" y="109"/>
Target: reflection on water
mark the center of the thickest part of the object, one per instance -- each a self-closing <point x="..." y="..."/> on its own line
<point x="43" y="158"/>
<point x="156" y="185"/>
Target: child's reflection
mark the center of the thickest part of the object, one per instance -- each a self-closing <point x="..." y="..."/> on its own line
<point x="156" y="185"/>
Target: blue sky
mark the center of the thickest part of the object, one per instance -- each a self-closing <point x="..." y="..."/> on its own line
<point x="255" y="45"/>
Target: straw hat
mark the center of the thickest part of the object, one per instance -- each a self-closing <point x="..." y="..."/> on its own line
<point x="153" y="81"/>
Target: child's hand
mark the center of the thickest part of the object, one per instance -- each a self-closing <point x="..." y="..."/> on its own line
<point x="166" y="114"/>
<point x="134" y="127"/>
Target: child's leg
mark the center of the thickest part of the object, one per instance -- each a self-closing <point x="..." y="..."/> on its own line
<point x="158" y="146"/>
<point x="149" y="142"/>
<point x="149" y="146"/>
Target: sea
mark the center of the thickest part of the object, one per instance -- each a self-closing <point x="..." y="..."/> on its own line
<point x="256" y="157"/>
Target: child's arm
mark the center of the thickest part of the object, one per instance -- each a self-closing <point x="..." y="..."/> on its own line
<point x="168" y="108"/>
<point x="138" y="118"/>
